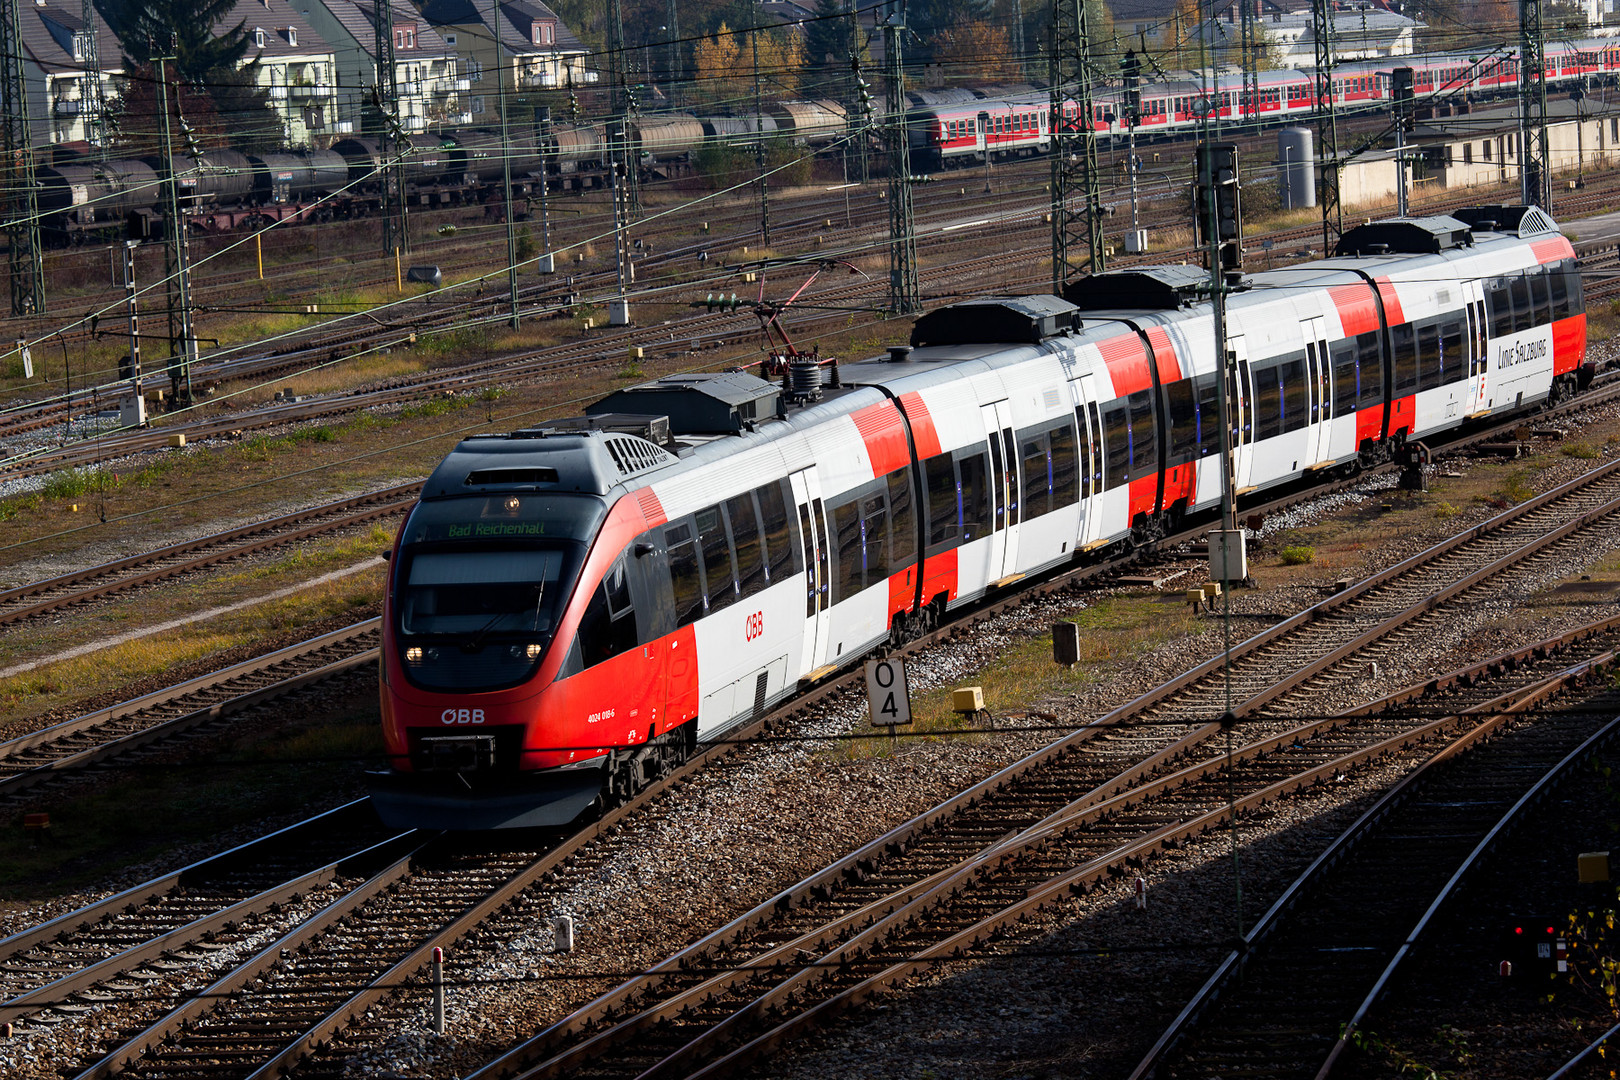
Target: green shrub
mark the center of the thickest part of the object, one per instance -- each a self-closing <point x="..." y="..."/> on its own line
<point x="1580" y="450"/>
<point x="1298" y="555"/>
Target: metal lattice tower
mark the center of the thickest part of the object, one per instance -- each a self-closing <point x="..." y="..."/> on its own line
<point x="675" y="75"/>
<point x="93" y="98"/>
<point x="390" y="141"/>
<point x="904" y="293"/>
<point x="1535" y="168"/>
<point x="182" y="337"/>
<point x="1074" y="167"/>
<point x="17" y="171"/>
<point x="623" y="148"/>
<point x="1017" y="35"/>
<point x="1249" y="58"/>
<point x="1327" y="124"/>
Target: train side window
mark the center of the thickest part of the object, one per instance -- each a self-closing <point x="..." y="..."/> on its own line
<point x="1295" y="394"/>
<point x="1209" y="415"/>
<point x="745" y="535"/>
<point x="1346" y="377"/>
<point x="903" y="520"/>
<point x="1523" y="315"/>
<point x="1117" y="440"/>
<point x="847" y="538"/>
<point x="1559" y="284"/>
<point x="719" y="575"/>
<point x="608" y="626"/>
<point x="1085" y="451"/>
<point x="1268" y="403"/>
<point x="1540" y="304"/>
<point x="1453" y="362"/>
<point x="875" y="538"/>
<point x="781" y="553"/>
<point x="943" y="518"/>
<point x="1370" y="364"/>
<point x="685" y="579"/>
<point x="1428" y="355"/>
<point x="1403" y="343"/>
<point x="1065" y="466"/>
<point x="972" y="496"/>
<point x="1500" y="299"/>
<point x="1182" y="410"/>
<point x="1037" y="455"/>
<point x="1572" y="279"/>
<point x="1144" y="443"/>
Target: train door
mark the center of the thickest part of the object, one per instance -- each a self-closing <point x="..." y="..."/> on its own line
<point x="818" y="593"/>
<point x="1240" y="401"/>
<point x="1088" y="432"/>
<point x="1476" y="355"/>
<point x="1004" y="491"/>
<point x="1319" y="384"/>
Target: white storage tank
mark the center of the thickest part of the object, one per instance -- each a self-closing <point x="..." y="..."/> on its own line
<point x="1296" y="168"/>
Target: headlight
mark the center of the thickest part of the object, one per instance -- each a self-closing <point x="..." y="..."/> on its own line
<point x="413" y="655"/>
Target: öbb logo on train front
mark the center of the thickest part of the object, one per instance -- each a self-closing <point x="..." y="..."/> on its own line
<point x="754" y="626"/>
<point x="462" y="716"/>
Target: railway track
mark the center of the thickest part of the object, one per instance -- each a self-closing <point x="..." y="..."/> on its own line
<point x="1288" y="1002"/>
<point x="115" y="948"/>
<point x="197" y="707"/>
<point x="53" y="595"/>
<point x="948" y="852"/>
<point x="942" y="884"/>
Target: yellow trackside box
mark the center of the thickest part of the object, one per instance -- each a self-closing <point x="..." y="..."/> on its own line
<point x="967" y="699"/>
<point x="1593" y="866"/>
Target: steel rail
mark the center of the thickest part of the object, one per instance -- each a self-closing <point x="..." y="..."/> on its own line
<point x="1232" y="966"/>
<point x="855" y="864"/>
<point x="242" y="976"/>
<point x="285" y="529"/>
<point x="201" y="929"/>
<point x="48" y="738"/>
<point x="1079" y="879"/>
<point x="1539" y="791"/>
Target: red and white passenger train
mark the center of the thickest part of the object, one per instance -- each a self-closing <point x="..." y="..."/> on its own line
<point x="943" y="134"/>
<point x="572" y="608"/>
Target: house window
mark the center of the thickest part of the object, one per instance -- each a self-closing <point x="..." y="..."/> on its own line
<point x="258" y="38"/>
<point x="478" y="103"/>
<point x="450" y="40"/>
<point x="292" y="36"/>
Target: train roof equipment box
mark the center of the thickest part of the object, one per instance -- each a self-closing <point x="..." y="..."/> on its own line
<point x="703" y="403"/>
<point x="1406" y="236"/>
<point x="1147" y="288"/>
<point x="1520" y="221"/>
<point x="652" y="427"/>
<point x="996" y="320"/>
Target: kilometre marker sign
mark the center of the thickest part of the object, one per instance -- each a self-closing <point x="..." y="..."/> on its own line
<point x="886" y="689"/>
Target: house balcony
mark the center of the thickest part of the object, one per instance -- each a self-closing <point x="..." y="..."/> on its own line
<point x="316" y="92"/>
<point x="68" y="107"/>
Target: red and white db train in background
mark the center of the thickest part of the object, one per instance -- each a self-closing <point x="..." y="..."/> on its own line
<point x="571" y="608"/>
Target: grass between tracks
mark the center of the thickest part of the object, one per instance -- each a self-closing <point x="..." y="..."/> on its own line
<point x="1115" y="631"/>
<point x="59" y="688"/>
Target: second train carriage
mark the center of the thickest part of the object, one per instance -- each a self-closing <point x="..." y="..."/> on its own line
<point x="572" y="607"/>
